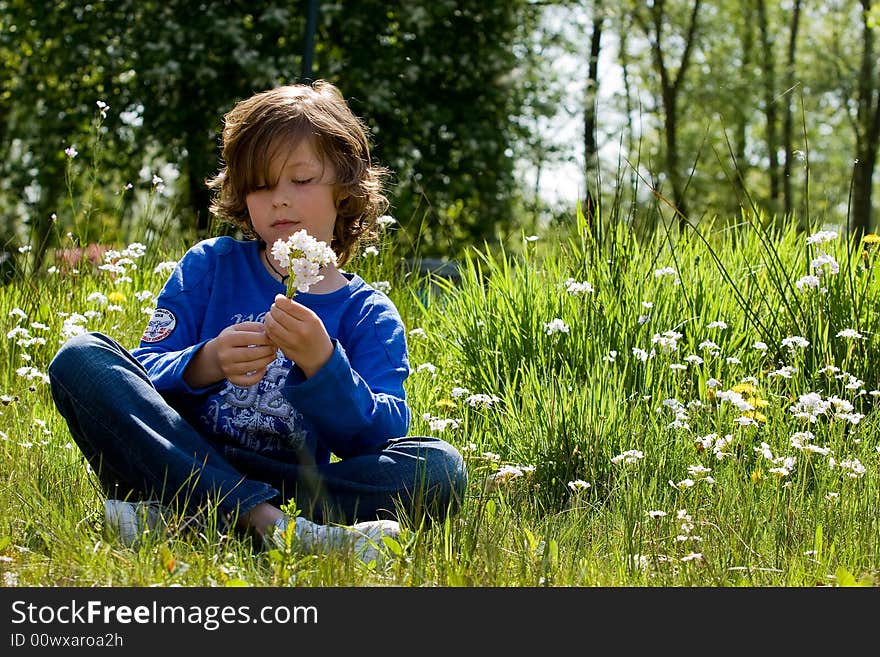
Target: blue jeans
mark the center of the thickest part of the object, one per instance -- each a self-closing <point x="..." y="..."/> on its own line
<point x="142" y="448"/>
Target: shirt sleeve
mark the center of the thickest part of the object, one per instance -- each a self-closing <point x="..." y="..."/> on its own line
<point x="172" y="336"/>
<point x="356" y="401"/>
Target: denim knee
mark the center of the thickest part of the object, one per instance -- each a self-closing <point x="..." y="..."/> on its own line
<point x="447" y="477"/>
<point x="457" y="470"/>
<point x="76" y="356"/>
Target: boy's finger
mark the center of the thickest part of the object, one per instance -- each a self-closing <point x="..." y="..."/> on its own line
<point x="254" y="327"/>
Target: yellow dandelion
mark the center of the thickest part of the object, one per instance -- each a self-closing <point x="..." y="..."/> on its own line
<point x="871" y="238"/>
<point x="116" y="297"/>
<point x="757" y="416"/>
<point x="756" y="476"/>
<point x="447" y="404"/>
<point x="744" y="389"/>
<point x="757" y="402"/>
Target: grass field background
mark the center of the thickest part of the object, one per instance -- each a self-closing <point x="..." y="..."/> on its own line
<point x="693" y="409"/>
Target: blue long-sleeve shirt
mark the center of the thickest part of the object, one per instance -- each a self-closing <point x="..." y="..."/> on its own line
<point x="355" y="402"/>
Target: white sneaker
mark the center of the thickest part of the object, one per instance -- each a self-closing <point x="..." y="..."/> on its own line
<point x="129" y="520"/>
<point x="363" y="538"/>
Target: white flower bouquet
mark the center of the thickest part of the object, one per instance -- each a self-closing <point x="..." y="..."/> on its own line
<point x="302" y="256"/>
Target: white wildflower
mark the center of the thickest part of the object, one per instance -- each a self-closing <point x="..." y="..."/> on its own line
<point x="821" y="237"/>
<point x="698" y="470"/>
<point x="641" y="354"/>
<point x="785" y="372"/>
<point x="629" y="456"/>
<point x="795" y="341"/>
<point x="556" y="325"/>
<point x="574" y="287"/>
<point x="807" y="282"/>
<point x="854" y="467"/>
<point x="482" y="400"/>
<point x="708" y="345"/>
<point x="165" y="267"/>
<point x="668" y="340"/>
<point x="821" y="261"/>
<point x="665" y="271"/>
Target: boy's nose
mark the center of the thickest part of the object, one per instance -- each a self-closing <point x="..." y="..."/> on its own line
<point x="280" y="200"/>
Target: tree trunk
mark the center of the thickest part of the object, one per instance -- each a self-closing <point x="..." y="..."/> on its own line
<point x="769" y="77"/>
<point x="863" y="175"/>
<point x="787" y="121"/>
<point x="740" y="137"/>
<point x="591" y="147"/>
<point x="867" y="131"/>
<point x="670" y="87"/>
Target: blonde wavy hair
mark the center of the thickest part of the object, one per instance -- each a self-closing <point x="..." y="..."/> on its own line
<point x="257" y="127"/>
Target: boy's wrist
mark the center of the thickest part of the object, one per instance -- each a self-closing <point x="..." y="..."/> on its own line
<point x="204" y="367"/>
<point x="312" y="367"/>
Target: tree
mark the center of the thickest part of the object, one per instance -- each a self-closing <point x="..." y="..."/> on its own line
<point x="60" y="60"/>
<point x="652" y="19"/>
<point x="441" y="86"/>
<point x="780" y="181"/>
<point x="591" y="147"/>
<point x="788" y="121"/>
<point x="768" y="67"/>
<point x="200" y="60"/>
<point x="866" y="123"/>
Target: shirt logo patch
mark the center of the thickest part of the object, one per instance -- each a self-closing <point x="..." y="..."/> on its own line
<point x="160" y="326"/>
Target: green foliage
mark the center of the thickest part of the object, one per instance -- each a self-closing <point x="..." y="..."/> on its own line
<point x="170" y="70"/>
<point x="441" y="92"/>
<point x="453" y="93"/>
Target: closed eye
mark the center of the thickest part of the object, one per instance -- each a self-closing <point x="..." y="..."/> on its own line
<point x="302" y="182"/>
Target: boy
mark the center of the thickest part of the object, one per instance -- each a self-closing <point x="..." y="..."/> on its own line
<point x="238" y="395"/>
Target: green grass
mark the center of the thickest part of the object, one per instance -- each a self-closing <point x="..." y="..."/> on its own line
<point x="702" y="500"/>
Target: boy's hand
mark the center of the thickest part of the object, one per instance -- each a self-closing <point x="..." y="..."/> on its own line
<point x="299" y="333"/>
<point x="242" y="352"/>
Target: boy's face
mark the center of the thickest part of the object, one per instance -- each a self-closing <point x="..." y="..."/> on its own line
<point x="298" y="195"/>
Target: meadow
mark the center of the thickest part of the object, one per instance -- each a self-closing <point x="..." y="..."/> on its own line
<point x="694" y="409"/>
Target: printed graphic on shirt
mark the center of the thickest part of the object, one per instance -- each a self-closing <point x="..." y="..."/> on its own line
<point x="258" y="417"/>
<point x="160" y="326"/>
